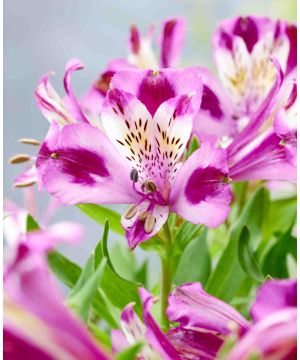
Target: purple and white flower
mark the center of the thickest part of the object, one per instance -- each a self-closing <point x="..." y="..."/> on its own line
<point x="147" y="119"/>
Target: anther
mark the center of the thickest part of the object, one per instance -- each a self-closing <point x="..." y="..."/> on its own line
<point x="149" y="223"/>
<point x="55" y="155"/>
<point x="29" y="141"/>
<point x="130" y="212"/>
<point x="19" y="158"/>
<point x="282" y="142"/>
<point x="149" y="186"/>
<point x="226" y="180"/>
<point x="143" y="215"/>
<point x="134" y="175"/>
<point x="155" y="72"/>
<point x="25" y="183"/>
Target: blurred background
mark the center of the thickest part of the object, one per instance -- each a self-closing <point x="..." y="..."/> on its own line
<point x="40" y="36"/>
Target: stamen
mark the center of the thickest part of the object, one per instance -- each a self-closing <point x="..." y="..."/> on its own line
<point x="226" y="180"/>
<point x="25" y="183"/>
<point x="143" y="215"/>
<point x="29" y="141"/>
<point x="149" y="223"/>
<point x="155" y="72"/>
<point x="282" y="142"/>
<point x="134" y="175"/>
<point x="130" y="212"/>
<point x="55" y="155"/>
<point x="149" y="186"/>
<point x="19" y="158"/>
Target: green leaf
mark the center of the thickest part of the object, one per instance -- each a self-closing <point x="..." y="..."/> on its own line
<point x="275" y="262"/>
<point x="31" y="224"/>
<point x="193" y="146"/>
<point x="118" y="290"/>
<point x="247" y="258"/>
<point x="130" y="353"/>
<point x="64" y="269"/>
<point x="69" y="273"/>
<point x="194" y="264"/>
<point x="100" y="214"/>
<point x="228" y="275"/>
<point x="280" y="218"/>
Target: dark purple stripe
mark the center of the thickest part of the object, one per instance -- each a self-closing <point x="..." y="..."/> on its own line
<point x="246" y="28"/>
<point x="211" y="103"/>
<point x="154" y="90"/>
<point x="202" y="183"/>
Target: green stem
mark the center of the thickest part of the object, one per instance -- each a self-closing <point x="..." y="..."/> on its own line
<point x="166" y="277"/>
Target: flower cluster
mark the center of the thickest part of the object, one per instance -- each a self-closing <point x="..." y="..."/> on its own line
<point x="184" y="151"/>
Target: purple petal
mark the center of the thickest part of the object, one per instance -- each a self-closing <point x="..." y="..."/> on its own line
<point x="135" y="228"/>
<point x="215" y="116"/>
<point x="78" y="164"/>
<point x="135" y="40"/>
<point x="31" y="290"/>
<point x="291" y="32"/>
<point x="265" y="159"/>
<point x="192" y="307"/>
<point x="171" y="42"/>
<point x="154" y="88"/>
<point x="16" y="346"/>
<point x="71" y="101"/>
<point x="283" y="294"/>
<point x="157" y="339"/>
<point x="194" y="344"/>
<point x="201" y="193"/>
<point x="275" y="337"/>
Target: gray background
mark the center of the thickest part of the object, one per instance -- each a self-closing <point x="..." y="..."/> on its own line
<point x="41" y="35"/>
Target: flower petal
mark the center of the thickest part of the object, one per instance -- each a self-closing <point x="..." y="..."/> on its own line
<point x="52" y="106"/>
<point x="195" y="344"/>
<point x="192" y="307"/>
<point x="215" y="118"/>
<point x="129" y="126"/>
<point x="34" y="300"/>
<point x="275" y="337"/>
<point x="201" y="193"/>
<point x="283" y="294"/>
<point x="173" y="123"/>
<point x="263" y="159"/>
<point x="153" y="88"/>
<point x="171" y="42"/>
<point x="78" y="164"/>
<point x="157" y="339"/>
<point x="135" y="228"/>
<point x="71" y="100"/>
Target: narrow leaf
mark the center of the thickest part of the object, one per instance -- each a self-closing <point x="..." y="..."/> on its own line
<point x="31" y="224"/>
<point x="247" y="258"/>
<point x="100" y="214"/>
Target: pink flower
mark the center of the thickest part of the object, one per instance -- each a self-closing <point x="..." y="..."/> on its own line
<point x="243" y="48"/>
<point x="202" y="316"/>
<point x="141" y="56"/>
<point x="37" y="324"/>
<point x="147" y="118"/>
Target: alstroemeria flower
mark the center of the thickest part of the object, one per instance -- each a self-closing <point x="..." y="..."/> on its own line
<point x="14" y="226"/>
<point x="133" y="330"/>
<point x="147" y="117"/>
<point x="243" y="48"/>
<point x="141" y="56"/>
<point x="272" y="333"/>
<point x="259" y="151"/>
<point x="37" y="324"/>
